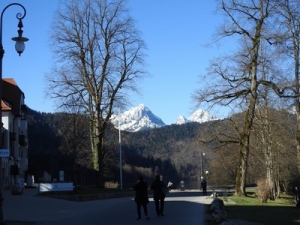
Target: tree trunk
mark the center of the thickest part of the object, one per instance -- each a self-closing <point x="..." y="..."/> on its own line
<point x="240" y="186"/>
<point x="268" y="150"/>
<point x="297" y="104"/>
<point x="98" y="128"/>
<point x="240" y="183"/>
<point x="243" y="161"/>
<point x="100" y="149"/>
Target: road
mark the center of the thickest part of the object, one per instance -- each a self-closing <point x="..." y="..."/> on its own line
<point x="180" y="208"/>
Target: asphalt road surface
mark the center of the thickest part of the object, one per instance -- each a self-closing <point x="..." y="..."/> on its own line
<point x="180" y="208"/>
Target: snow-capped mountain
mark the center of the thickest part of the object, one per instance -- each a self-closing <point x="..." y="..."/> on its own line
<point x="136" y="119"/>
<point x="141" y="118"/>
<point x="181" y="120"/>
<point x="201" y="116"/>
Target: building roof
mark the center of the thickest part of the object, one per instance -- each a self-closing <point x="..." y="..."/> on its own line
<point x="11" y="96"/>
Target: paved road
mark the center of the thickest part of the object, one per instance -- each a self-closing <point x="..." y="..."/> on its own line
<point x="29" y="208"/>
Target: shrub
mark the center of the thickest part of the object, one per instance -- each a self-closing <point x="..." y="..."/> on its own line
<point x="110" y="184"/>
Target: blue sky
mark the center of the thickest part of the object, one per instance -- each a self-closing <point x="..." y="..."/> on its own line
<point x="175" y="33"/>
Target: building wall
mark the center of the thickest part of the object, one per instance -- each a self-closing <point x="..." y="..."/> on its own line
<point x="14" y="167"/>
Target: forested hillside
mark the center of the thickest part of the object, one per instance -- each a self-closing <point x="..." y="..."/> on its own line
<point x="178" y="152"/>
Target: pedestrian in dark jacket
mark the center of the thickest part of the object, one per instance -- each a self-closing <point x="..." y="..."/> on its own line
<point x="203" y="185"/>
<point x="141" y="197"/>
<point x="159" y="195"/>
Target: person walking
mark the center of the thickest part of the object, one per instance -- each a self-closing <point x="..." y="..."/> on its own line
<point x="141" y="197"/>
<point x="169" y="186"/>
<point x="203" y="186"/>
<point x="159" y="194"/>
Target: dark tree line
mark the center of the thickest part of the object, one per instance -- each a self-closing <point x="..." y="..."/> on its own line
<point x="56" y="145"/>
<point x="173" y="151"/>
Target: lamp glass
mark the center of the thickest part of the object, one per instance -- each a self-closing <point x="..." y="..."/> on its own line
<point x="20" y="46"/>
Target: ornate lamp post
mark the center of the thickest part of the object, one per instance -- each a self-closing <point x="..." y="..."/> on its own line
<point x="20" y="46"/>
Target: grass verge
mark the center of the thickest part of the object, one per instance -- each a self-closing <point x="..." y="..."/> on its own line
<point x="282" y="211"/>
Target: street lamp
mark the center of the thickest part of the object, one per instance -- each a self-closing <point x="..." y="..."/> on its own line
<point x="202" y="154"/>
<point x="120" y="148"/>
<point x="207" y="173"/>
<point x="20" y="46"/>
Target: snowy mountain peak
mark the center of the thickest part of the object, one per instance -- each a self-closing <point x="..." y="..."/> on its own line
<point x="181" y="120"/>
<point x="199" y="116"/>
<point x="136" y="119"/>
<point x="141" y="118"/>
<point x="141" y="107"/>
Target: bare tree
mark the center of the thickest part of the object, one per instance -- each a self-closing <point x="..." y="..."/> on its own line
<point x="99" y="58"/>
<point x="287" y="40"/>
<point x="234" y="79"/>
<point x="265" y="127"/>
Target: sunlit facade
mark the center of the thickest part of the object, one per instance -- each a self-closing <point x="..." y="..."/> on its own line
<point x="14" y="135"/>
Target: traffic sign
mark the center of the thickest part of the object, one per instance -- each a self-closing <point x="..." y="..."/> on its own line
<point x="4" y="152"/>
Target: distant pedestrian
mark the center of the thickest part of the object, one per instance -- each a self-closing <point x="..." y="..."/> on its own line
<point x="203" y="186"/>
<point x="159" y="194"/>
<point x="141" y="197"/>
<point x="169" y="185"/>
<point x="297" y="197"/>
<point x="182" y="185"/>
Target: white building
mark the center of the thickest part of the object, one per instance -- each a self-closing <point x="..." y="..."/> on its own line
<point x="14" y="136"/>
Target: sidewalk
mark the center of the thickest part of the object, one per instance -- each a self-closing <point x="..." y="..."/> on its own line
<point x="21" y="209"/>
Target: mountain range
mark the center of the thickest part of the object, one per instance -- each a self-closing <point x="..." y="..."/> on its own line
<point x="141" y="118"/>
